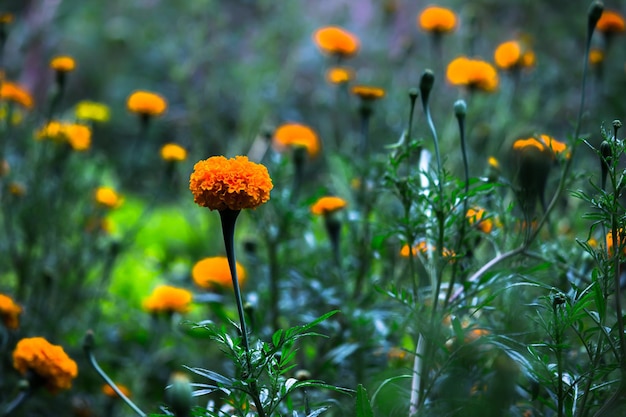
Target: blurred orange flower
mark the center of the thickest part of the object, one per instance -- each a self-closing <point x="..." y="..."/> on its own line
<point x="107" y="197"/>
<point x="472" y="73"/>
<point x="78" y="136"/>
<point x="108" y="391"/>
<point x="437" y="20"/>
<point x="214" y="273"/>
<point x="237" y="183"/>
<point x="513" y="54"/>
<point x="10" y="91"/>
<point x="9" y="312"/>
<point x="339" y="75"/>
<point x="168" y="299"/>
<point x="543" y="143"/>
<point x="146" y="103"/>
<point x="63" y="63"/>
<point x="476" y="217"/>
<point x="173" y="152"/>
<point x="6" y="18"/>
<point x="329" y="204"/>
<point x="48" y="361"/>
<point x="424" y="248"/>
<point x="596" y="56"/>
<point x="337" y="41"/>
<point x="368" y="92"/>
<point x="611" y="22"/>
<point x="296" y="134"/>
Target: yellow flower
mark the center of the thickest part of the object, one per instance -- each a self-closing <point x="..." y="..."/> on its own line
<point x="337" y="41"/>
<point x="368" y="92"/>
<point x="107" y="197"/>
<point x="339" y="75"/>
<point x="437" y="20"/>
<point x="146" y="103"/>
<point x="63" y="63"/>
<point x="9" y="312"/>
<point x="611" y="22"/>
<point x="17" y="189"/>
<point x="48" y="361"/>
<point x="424" y="248"/>
<point x="472" y="73"/>
<point x="294" y="135"/>
<point x="6" y="18"/>
<point x="90" y="110"/>
<point x="596" y="56"/>
<point x="214" y="273"/>
<point x="10" y="91"/>
<point x="493" y="162"/>
<point x="108" y="391"/>
<point x="476" y="217"/>
<point x="167" y="299"/>
<point x="513" y="54"/>
<point x="327" y="205"/>
<point x="219" y="183"/>
<point x="173" y="152"/>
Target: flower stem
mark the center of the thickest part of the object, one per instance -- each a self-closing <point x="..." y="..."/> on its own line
<point x="17" y="401"/>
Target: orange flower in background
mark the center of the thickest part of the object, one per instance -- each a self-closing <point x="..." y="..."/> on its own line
<point x="146" y="103"/>
<point x="543" y="143"/>
<point x="596" y="56"/>
<point x="78" y="136"/>
<point x="237" y="183"/>
<point x="437" y="20"/>
<point x="610" y="241"/>
<point x="6" y="18"/>
<point x="329" y="204"/>
<point x="521" y="144"/>
<point x="337" y="41"/>
<point x="13" y="92"/>
<point x="48" y="361"/>
<point x="476" y="217"/>
<point x="296" y="134"/>
<point x="63" y="63"/>
<point x="339" y="75"/>
<point x="472" y="73"/>
<point x="107" y="197"/>
<point x="611" y="22"/>
<point x="173" y="152"/>
<point x="214" y="273"/>
<point x="424" y="248"/>
<point x="9" y="312"/>
<point x="368" y="92"/>
<point x="168" y="299"/>
<point x="513" y="54"/>
<point x="108" y="391"/>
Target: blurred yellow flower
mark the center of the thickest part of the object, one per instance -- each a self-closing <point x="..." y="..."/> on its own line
<point x="91" y="110"/>
<point x="423" y="247"/>
<point x="295" y="134"/>
<point x="337" y="41"/>
<point x="49" y="362"/>
<point x="214" y="273"/>
<point x="513" y="54"/>
<point x="596" y="56"/>
<point x="472" y="73"/>
<point x="168" y="299"/>
<point x="63" y="63"/>
<point x="339" y="75"/>
<point x="9" y="312"/>
<point x="107" y="197"/>
<point x="329" y="204"/>
<point x="17" y="189"/>
<point x="493" y="162"/>
<point x="146" y="103"/>
<point x="476" y="217"/>
<point x="173" y="152"/>
<point x="13" y="92"/>
<point x="437" y="20"/>
<point x="78" y="136"/>
<point x="368" y="92"/>
<point x="6" y="18"/>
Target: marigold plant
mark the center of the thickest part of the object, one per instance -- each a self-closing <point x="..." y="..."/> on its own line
<point x="173" y="152"/>
<point x="214" y="273"/>
<point x="290" y="135"/>
<point x="337" y="41"/>
<point x="15" y="93"/>
<point x="513" y="54"/>
<point x="9" y="312"/>
<point x="329" y="204"/>
<point x="543" y="143"/>
<point x="472" y="73"/>
<point x="168" y="299"/>
<point x="339" y="75"/>
<point x="476" y="216"/>
<point x="108" y="197"/>
<point x="49" y="362"/>
<point x="219" y="183"/>
<point x="611" y="22"/>
<point x="437" y="20"/>
<point x="366" y="92"/>
<point x="91" y="110"/>
<point x="146" y="103"/>
<point x="63" y="63"/>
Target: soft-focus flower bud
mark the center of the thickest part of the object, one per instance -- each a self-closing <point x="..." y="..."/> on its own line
<point x="595" y="11"/>
<point x="460" y="108"/>
<point x="179" y="395"/>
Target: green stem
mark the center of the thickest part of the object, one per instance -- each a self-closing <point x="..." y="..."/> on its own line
<point x="17" y="401"/>
<point x="559" y="360"/>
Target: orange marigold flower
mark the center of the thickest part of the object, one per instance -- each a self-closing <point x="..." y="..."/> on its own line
<point x="48" y="361"/>
<point x="513" y="54"/>
<point x="472" y="73"/>
<point x="9" y="312"/>
<point x="10" y="91"/>
<point x="337" y="41"/>
<point x="329" y="204"/>
<point x="214" y="273"/>
<point x="296" y="134"/>
<point x="339" y="75"/>
<point x="621" y="238"/>
<point x="611" y="22"/>
<point x="78" y="136"/>
<point x="146" y="103"/>
<point x="437" y="20"/>
<point x="596" y="56"/>
<point x="173" y="152"/>
<point x="237" y="183"/>
<point x="107" y="197"/>
<point x="63" y="63"/>
<point x="424" y="248"/>
<point x="543" y="143"/>
<point x="368" y="92"/>
<point x="168" y="299"/>
<point x="476" y="216"/>
<point x="108" y="391"/>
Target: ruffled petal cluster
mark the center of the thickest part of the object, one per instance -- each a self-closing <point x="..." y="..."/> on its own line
<point x="49" y="362"/>
<point x="146" y="103"/>
<point x="9" y="312"/>
<point x="295" y="134"/>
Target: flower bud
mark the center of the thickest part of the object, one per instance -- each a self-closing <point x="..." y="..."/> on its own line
<point x="595" y="11"/>
<point x="179" y="395"/>
<point x="460" y="108"/>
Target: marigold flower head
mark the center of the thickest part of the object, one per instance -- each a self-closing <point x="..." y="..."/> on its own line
<point x="108" y="391"/>
<point x="513" y="54"/>
<point x="290" y="135"/>
<point x="168" y="299"/>
<point x="437" y="20"/>
<point x="339" y="75"/>
<point x="476" y="217"/>
<point x="472" y="73"/>
<point x="63" y="63"/>
<point x="78" y="136"/>
<point x="328" y="204"/>
<point x="9" y="312"/>
<point x="336" y="41"/>
<point x="542" y="143"/>
<point x="107" y="197"/>
<point x="493" y="162"/>
<point x="48" y="361"/>
<point x="173" y="152"/>
<point x="237" y="183"/>
<point x="6" y="18"/>
<point x="611" y="22"/>
<point x="368" y="92"/>
<point x="214" y="273"/>
<point x="91" y="110"/>
<point x="621" y="239"/>
<point x="146" y="103"/>
<point x="13" y="92"/>
<point x="423" y="247"/>
<point x="596" y="56"/>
